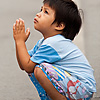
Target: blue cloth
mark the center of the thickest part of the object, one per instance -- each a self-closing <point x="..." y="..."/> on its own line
<point x="63" y="82"/>
<point x="43" y="95"/>
<point x="62" y="53"/>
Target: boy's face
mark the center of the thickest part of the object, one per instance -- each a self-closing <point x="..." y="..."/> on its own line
<point x="44" y="19"/>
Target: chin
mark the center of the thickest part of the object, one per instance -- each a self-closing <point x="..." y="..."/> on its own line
<point x="37" y="29"/>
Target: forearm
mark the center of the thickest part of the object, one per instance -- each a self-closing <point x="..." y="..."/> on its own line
<point x="20" y="37"/>
<point x="18" y="60"/>
<point x="24" y="58"/>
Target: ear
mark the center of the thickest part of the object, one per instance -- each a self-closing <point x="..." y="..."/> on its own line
<point x="60" y="27"/>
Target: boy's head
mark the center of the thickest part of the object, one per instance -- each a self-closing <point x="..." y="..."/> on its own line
<point x="66" y="12"/>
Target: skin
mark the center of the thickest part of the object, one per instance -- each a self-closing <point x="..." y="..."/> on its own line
<point x="43" y="23"/>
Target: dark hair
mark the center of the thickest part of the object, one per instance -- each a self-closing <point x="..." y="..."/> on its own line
<point x="66" y="12"/>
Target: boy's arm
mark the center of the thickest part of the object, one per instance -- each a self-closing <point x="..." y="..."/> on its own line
<point x="18" y="59"/>
<point x="20" y="37"/>
<point x="23" y="58"/>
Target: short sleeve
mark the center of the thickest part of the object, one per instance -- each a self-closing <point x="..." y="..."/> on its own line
<point x="45" y="54"/>
<point x="33" y="51"/>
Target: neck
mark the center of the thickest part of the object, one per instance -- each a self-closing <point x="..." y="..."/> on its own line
<point x="50" y="34"/>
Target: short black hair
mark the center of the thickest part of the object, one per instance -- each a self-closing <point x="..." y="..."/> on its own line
<point x="66" y="11"/>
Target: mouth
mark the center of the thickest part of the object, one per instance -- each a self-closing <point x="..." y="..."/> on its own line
<point x="35" y="20"/>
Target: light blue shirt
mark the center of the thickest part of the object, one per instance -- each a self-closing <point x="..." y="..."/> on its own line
<point x="62" y="53"/>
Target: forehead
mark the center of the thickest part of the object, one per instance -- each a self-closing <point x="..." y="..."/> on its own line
<point x="46" y="6"/>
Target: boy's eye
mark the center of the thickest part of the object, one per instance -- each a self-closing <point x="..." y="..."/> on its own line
<point x="46" y="12"/>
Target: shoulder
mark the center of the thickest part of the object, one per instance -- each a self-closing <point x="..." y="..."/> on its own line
<point x="35" y="48"/>
<point x="40" y="41"/>
<point x="58" y="42"/>
<point x="54" y="40"/>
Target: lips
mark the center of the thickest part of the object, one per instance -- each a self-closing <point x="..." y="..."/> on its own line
<point x="35" y="20"/>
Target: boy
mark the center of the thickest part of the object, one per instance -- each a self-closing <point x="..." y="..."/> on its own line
<point x="55" y="65"/>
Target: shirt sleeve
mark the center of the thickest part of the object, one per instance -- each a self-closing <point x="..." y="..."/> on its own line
<point x="33" y="51"/>
<point x="45" y="54"/>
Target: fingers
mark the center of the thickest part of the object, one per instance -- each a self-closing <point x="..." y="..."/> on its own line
<point x="14" y="28"/>
<point x="19" y="25"/>
<point x="27" y="33"/>
<point x="19" y="30"/>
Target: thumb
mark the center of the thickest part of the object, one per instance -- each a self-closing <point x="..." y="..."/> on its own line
<point x="27" y="33"/>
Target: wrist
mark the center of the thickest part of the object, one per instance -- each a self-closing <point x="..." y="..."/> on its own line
<point x="19" y="42"/>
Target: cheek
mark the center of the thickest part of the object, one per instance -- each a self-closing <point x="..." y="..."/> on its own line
<point x="40" y="27"/>
<point x="44" y="23"/>
<point x="47" y="21"/>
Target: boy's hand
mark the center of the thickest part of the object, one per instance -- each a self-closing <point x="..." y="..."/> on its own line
<point x="19" y="33"/>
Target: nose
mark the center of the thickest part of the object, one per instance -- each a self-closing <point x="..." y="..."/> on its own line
<point x="38" y="14"/>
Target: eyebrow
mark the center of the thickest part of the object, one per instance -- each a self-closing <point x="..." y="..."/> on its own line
<point x="45" y="8"/>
